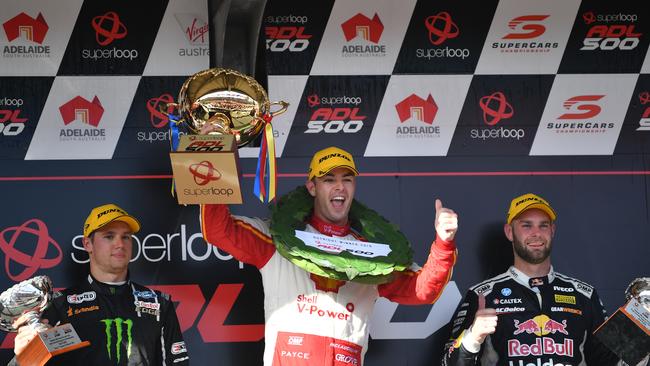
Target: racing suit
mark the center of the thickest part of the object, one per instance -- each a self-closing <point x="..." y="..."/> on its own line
<point x="311" y="320"/>
<point x="542" y="321"/>
<point x="126" y="324"/>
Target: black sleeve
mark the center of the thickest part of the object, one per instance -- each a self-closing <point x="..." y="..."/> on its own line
<point x="596" y="353"/>
<point x="174" y="347"/>
<point x="455" y="353"/>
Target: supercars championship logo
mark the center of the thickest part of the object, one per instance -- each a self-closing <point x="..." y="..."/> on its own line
<point x="644" y="123"/>
<point x="524" y="35"/>
<point x="581" y="117"/>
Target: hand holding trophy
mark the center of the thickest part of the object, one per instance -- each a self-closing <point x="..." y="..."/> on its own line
<point x="233" y="109"/>
<point x="627" y="331"/>
<point x="26" y="301"/>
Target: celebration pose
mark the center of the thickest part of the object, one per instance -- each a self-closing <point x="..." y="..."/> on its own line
<point x="126" y="323"/>
<point x="313" y="316"/>
<point x="529" y="315"/>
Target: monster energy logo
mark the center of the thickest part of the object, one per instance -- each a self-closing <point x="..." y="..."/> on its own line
<point x="119" y="330"/>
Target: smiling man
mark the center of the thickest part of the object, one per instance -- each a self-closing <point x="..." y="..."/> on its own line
<point x="529" y="315"/>
<point x="312" y="319"/>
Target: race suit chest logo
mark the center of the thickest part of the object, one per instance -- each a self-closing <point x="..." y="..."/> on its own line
<point x="79" y="298"/>
<point x="87" y="309"/>
<point x="298" y="349"/>
<point x="308" y="304"/>
<point x="119" y="338"/>
<point x="540" y="325"/>
<point x="152" y="308"/>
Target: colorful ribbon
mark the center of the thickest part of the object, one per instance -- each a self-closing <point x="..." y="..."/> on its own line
<point x="174" y="139"/>
<point x="266" y="173"/>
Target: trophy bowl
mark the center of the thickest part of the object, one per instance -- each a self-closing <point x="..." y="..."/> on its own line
<point x="233" y="103"/>
<point x="30" y="297"/>
<point x="639" y="289"/>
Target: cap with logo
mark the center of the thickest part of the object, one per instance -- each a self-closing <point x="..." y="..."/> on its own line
<point x="527" y="202"/>
<point x="330" y="158"/>
<point x="105" y="214"/>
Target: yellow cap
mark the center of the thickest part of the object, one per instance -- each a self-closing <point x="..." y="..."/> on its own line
<point x="329" y="158"/>
<point x="105" y="214"/>
<point x="526" y="202"/>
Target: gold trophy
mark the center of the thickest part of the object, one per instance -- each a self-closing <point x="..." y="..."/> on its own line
<point x="236" y="109"/>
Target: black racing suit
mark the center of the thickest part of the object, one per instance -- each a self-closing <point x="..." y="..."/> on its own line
<point x="126" y="324"/>
<point x="544" y="321"/>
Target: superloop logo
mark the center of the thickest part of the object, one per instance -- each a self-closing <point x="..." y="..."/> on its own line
<point x="108" y="28"/>
<point x="495" y="107"/>
<point x="12" y="237"/>
<point x="156" y="106"/>
<point x="441" y="28"/>
<point x="204" y="172"/>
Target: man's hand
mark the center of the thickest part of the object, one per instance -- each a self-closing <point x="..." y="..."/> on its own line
<point x="446" y="222"/>
<point x="485" y="322"/>
<point x="25" y="334"/>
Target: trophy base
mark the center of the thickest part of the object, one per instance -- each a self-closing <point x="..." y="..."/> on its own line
<point x="627" y="333"/>
<point x="206" y="170"/>
<point x="50" y="343"/>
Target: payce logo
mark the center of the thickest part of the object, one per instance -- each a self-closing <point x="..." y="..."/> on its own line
<point x="33" y="30"/>
<point x="414" y="107"/>
<point x="620" y="35"/>
<point x="366" y="29"/>
<point x="329" y="119"/>
<point x="440" y="28"/>
<point x="496" y="108"/>
<point x="86" y="112"/>
<point x="525" y="29"/>
<point x="281" y="38"/>
<point x="11" y="123"/>
<point x="108" y="28"/>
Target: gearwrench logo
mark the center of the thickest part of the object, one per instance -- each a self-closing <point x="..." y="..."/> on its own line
<point x="495" y="107"/>
<point x="32" y="262"/>
<point x="121" y="326"/>
<point x="441" y="28"/>
<point x="108" y="28"/>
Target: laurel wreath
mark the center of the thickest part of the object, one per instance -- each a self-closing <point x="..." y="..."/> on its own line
<point x="293" y="210"/>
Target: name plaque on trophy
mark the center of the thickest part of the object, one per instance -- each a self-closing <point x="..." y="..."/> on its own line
<point x="206" y="170"/>
<point x="49" y="343"/>
<point x="627" y="332"/>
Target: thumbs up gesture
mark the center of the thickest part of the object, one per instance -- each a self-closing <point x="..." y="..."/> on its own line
<point x="485" y="322"/>
<point x="446" y="222"/>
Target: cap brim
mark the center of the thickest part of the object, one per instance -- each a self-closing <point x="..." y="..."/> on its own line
<point x="349" y="167"/>
<point x="548" y="210"/>
<point x="133" y="223"/>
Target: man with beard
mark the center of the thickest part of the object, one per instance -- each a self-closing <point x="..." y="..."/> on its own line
<point x="530" y="315"/>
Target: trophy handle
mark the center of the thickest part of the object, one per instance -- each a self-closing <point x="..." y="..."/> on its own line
<point x="284" y="105"/>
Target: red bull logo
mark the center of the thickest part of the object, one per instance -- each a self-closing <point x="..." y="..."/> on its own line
<point x="540" y="325"/>
<point x="542" y="346"/>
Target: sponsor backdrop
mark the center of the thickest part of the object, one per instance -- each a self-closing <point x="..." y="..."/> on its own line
<point x="470" y="102"/>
